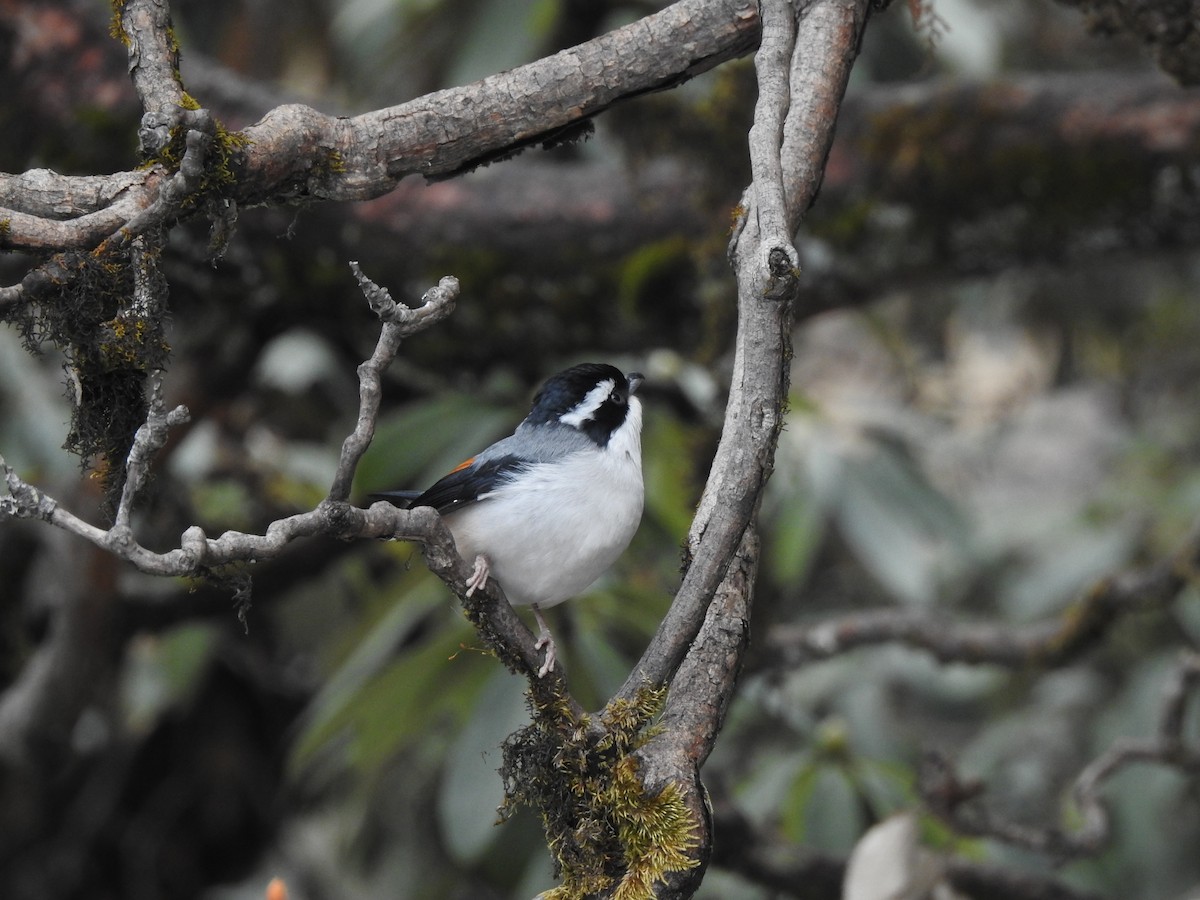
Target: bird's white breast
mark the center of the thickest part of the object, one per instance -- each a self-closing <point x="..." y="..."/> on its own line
<point x="551" y="533"/>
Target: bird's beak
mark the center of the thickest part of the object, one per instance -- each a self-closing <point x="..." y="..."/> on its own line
<point x="635" y="380"/>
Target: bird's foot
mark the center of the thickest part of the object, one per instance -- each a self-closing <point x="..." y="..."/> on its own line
<point x="479" y="574"/>
<point x="545" y="639"/>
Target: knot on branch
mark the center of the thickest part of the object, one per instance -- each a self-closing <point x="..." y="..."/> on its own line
<point x="436" y="303"/>
<point x="340" y="520"/>
<point x="24" y="500"/>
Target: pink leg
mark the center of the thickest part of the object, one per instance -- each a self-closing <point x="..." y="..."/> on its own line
<point x="544" y="640"/>
<point x="479" y="575"/>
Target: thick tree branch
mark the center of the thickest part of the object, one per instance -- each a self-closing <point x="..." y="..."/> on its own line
<point x="828" y="36"/>
<point x="698" y="647"/>
<point x="154" y="68"/>
<point x="296" y="153"/>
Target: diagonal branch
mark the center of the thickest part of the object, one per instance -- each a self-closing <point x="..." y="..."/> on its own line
<point x="698" y="647"/>
<point x="826" y="42"/>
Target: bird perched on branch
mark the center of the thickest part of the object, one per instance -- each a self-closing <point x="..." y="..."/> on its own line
<point x="546" y="510"/>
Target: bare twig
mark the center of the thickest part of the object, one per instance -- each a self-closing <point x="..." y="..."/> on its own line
<point x="498" y="624"/>
<point x="399" y="321"/>
<point x="332" y="517"/>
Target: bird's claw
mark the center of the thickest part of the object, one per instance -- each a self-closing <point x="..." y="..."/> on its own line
<point x="546" y="640"/>
<point x="479" y="574"/>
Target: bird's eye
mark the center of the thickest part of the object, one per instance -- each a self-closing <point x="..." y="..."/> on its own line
<point x="615" y="397"/>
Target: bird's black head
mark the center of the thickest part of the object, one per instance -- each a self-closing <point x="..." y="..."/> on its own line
<point x="595" y="398"/>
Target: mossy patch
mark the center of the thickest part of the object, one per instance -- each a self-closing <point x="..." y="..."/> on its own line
<point x="606" y="832"/>
<point x="109" y="347"/>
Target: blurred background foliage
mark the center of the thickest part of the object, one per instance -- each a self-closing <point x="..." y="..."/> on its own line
<point x="980" y="441"/>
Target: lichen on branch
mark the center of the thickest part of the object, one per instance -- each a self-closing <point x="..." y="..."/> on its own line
<point x="606" y="831"/>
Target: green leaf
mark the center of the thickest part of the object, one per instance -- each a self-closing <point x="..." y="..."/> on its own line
<point x="420" y="443"/>
<point x="161" y="672"/>
<point x="903" y="531"/>
<point x="379" y="702"/>
<point x="471" y="789"/>
<point x="671" y="488"/>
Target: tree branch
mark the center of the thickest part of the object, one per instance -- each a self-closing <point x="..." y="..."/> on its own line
<point x="1048" y="644"/>
<point x="959" y="802"/>
<point x="296" y="153"/>
<point x="154" y="67"/>
<point x="698" y="647"/>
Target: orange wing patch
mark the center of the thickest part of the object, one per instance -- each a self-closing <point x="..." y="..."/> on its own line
<point x="466" y="463"/>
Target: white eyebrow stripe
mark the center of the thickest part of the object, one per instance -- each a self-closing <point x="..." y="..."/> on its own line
<point x="586" y="408"/>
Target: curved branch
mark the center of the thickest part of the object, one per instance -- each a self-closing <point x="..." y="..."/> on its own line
<point x="827" y="42"/>
<point x="698" y="646"/>
<point x="455" y="130"/>
<point x="1048" y="644"/>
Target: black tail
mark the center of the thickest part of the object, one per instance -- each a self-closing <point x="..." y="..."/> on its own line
<point x="401" y="499"/>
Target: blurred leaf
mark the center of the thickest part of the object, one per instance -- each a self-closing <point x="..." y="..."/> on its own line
<point x="420" y="443"/>
<point x="499" y="35"/>
<point x="599" y="668"/>
<point x="1064" y="565"/>
<point x="796" y="800"/>
<point x="296" y="360"/>
<point x="797" y="527"/>
<point x="645" y="265"/>
<point x="905" y="532"/>
<point x="222" y="504"/>
<point x="471" y="790"/>
<point x="161" y="672"/>
<point x="667" y="462"/>
<point x="823" y="811"/>
<point x="383" y="698"/>
<point x="888" y="863"/>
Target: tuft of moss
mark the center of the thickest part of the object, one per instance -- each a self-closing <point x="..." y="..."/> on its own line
<point x="115" y="29"/>
<point x="606" y="832"/>
<point x="109" y="349"/>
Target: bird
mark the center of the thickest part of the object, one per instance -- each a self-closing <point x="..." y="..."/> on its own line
<point x="548" y="509"/>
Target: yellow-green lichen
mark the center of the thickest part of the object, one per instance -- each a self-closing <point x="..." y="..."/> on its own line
<point x="115" y="29"/>
<point x="606" y="832"/>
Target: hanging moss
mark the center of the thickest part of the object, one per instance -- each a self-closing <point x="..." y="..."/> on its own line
<point x="109" y="348"/>
<point x="606" y="832"/>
